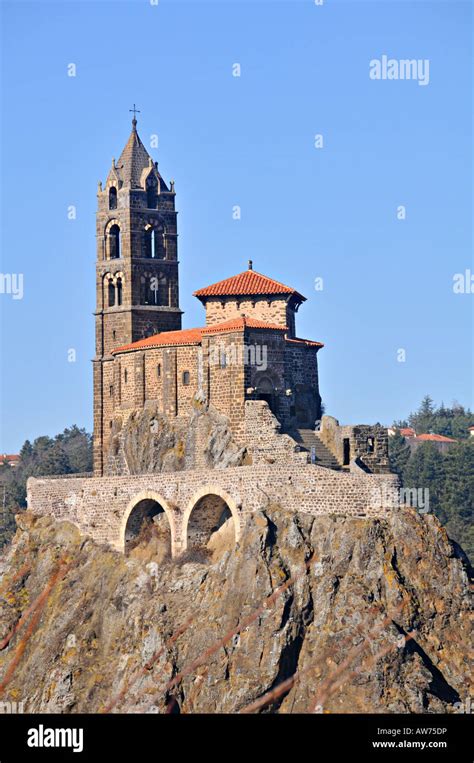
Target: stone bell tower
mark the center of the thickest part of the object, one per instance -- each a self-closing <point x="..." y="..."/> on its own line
<point x="136" y="271"/>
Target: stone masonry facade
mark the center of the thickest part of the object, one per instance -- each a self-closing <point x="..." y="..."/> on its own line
<point x="366" y="444"/>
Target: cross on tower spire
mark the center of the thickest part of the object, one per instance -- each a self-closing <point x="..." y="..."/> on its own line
<point x="135" y="112"/>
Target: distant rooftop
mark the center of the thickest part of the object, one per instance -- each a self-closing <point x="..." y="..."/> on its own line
<point x="434" y="438"/>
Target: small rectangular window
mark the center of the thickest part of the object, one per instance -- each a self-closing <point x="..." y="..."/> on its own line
<point x="346" y="445"/>
<point x="111" y="390"/>
<point x="158" y="370"/>
<point x="186" y="377"/>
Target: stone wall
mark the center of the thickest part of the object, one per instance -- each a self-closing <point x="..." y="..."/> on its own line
<point x="223" y="368"/>
<point x="224" y="380"/>
<point x="100" y="507"/>
<point x="271" y="309"/>
<point x="368" y="444"/>
<point x="167" y="376"/>
<point x="303" y="380"/>
<point x="264" y="442"/>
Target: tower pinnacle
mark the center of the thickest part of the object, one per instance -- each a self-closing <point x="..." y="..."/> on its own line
<point x="135" y="112"/>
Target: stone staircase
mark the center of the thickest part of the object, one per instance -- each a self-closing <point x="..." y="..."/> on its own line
<point x="307" y="439"/>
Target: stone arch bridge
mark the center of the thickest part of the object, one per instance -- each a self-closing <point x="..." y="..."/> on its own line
<point x="195" y="501"/>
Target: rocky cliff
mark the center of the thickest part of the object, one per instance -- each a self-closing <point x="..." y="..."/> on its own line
<point x="305" y="614"/>
<point x="146" y="441"/>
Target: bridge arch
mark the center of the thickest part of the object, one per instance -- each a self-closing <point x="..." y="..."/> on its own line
<point x="205" y="512"/>
<point x="146" y="504"/>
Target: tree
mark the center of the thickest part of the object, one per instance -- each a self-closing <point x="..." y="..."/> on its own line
<point x="457" y="499"/>
<point x="427" y="406"/>
<point x="422" y="419"/>
<point x="448" y="476"/>
<point x="27" y="451"/>
<point x="425" y="469"/>
<point x="400" y="424"/>
<point x="67" y="453"/>
<point x="55" y="461"/>
<point x="77" y="443"/>
<point x="399" y="453"/>
<point x="451" y="422"/>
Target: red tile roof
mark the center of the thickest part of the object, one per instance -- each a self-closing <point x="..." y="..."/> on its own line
<point x="9" y="460"/>
<point x="407" y="432"/>
<point x="166" y="338"/>
<point x="236" y="324"/>
<point x="307" y="342"/>
<point x="194" y="336"/>
<point x="434" y="438"/>
<point x="247" y="283"/>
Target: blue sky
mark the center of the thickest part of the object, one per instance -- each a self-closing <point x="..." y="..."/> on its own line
<point x="306" y="212"/>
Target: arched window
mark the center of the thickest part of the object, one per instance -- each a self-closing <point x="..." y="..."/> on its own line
<point x="151" y="192"/>
<point x="154" y="247"/>
<point x="153" y="289"/>
<point x="186" y="378"/>
<point x="113" y="198"/>
<point x="150" y="246"/>
<point x="119" y="291"/>
<point x="111" y="293"/>
<point x="114" y="242"/>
